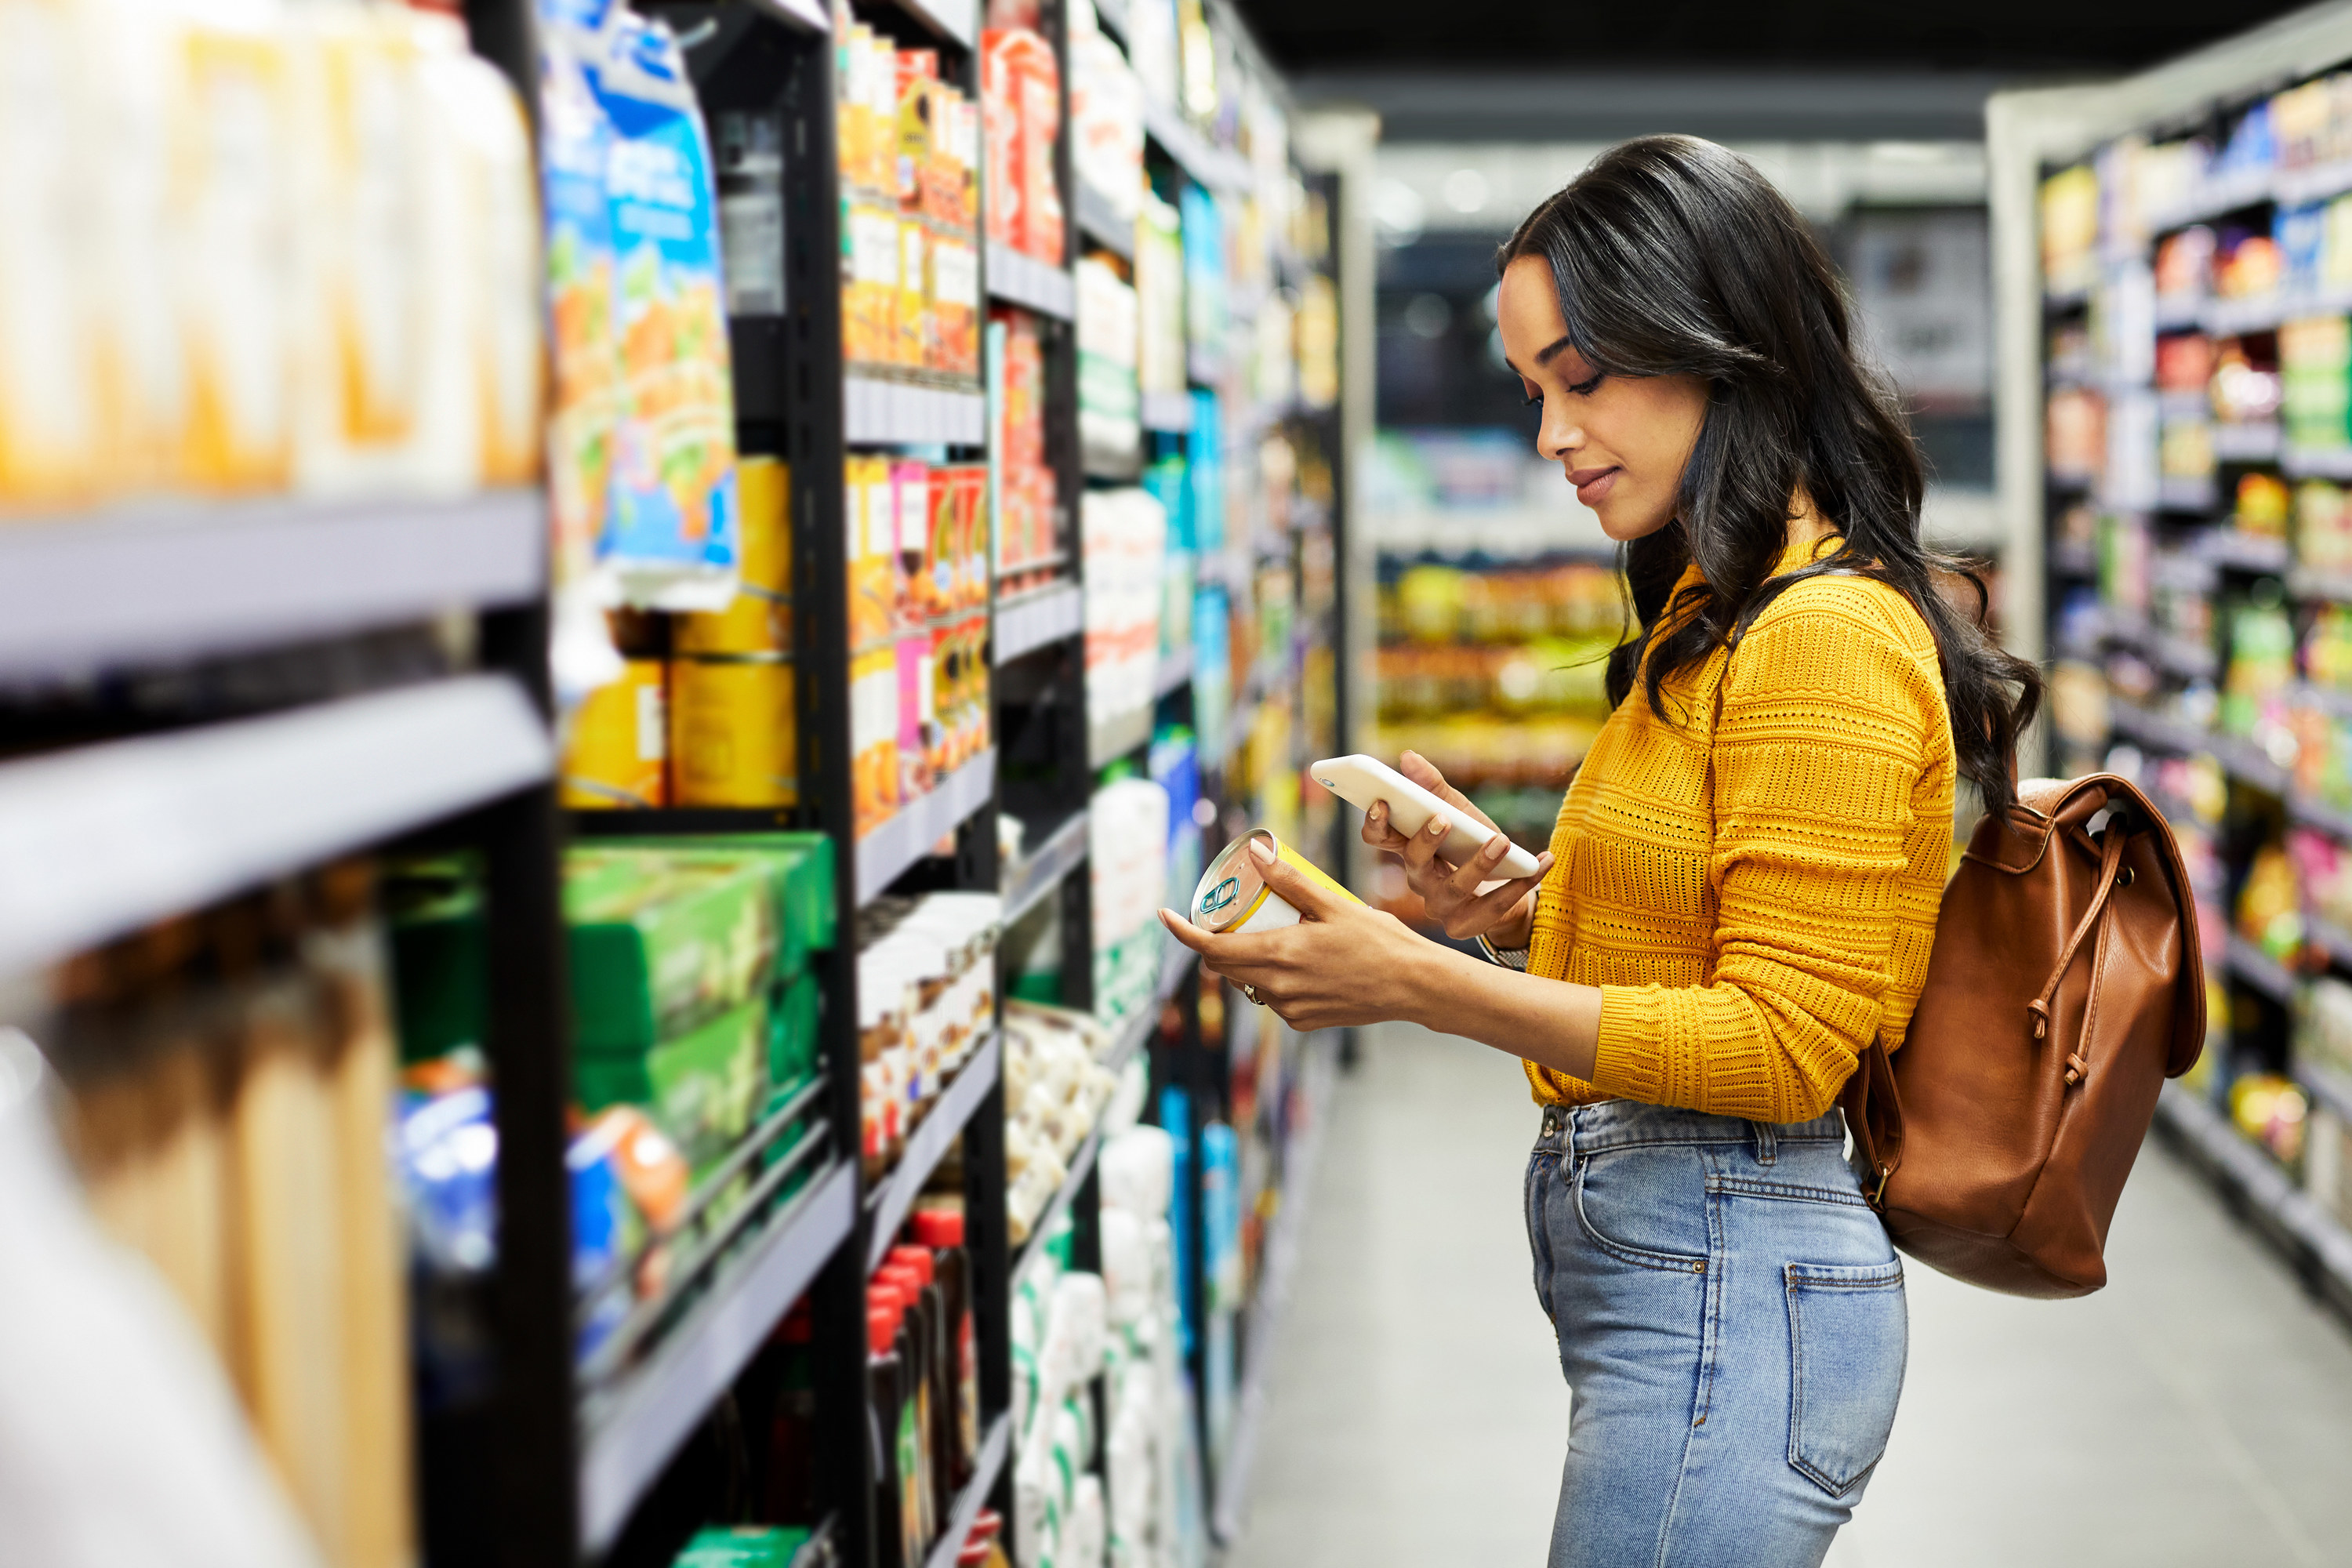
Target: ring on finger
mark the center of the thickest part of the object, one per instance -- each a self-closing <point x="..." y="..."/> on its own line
<point x="1251" y="991"/>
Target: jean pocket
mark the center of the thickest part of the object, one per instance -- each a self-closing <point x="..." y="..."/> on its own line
<point x="1849" y="1337"/>
<point x="1647" y="1205"/>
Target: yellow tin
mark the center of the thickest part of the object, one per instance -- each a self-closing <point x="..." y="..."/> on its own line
<point x="618" y="755"/>
<point x="735" y="731"/>
<point x="1233" y="898"/>
<point x="759" y="618"/>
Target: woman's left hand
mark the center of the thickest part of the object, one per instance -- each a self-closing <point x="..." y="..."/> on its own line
<point x="1344" y="963"/>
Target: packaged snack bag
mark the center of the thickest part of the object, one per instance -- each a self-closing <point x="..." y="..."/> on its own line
<point x="575" y="140"/>
<point x="669" y="539"/>
<point x="955" y="304"/>
<point x="139" y="364"/>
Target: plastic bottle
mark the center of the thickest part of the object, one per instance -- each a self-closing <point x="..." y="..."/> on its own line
<point x="884" y="1403"/>
<point x="910" y="1457"/>
<point x="941" y="1229"/>
<point x="939" y="1382"/>
<point x="789" y="1491"/>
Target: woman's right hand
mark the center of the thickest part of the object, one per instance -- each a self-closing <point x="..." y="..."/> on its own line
<point x="1504" y="914"/>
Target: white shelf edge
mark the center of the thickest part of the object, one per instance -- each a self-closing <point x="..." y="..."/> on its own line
<point x="1175" y="672"/>
<point x="1210" y="165"/>
<point x="930" y="1144"/>
<point x="994" y="1450"/>
<point x="1034" y="620"/>
<point x="1168" y="412"/>
<point x="885" y="854"/>
<point x="951" y="18"/>
<point x="1097" y="222"/>
<point x="655" y="1407"/>
<point x="877" y="412"/>
<point x="2287" y="1212"/>
<point x="1017" y="278"/>
<point x="172" y="579"/>
<point x="1117" y="736"/>
<point x="98" y="840"/>
<point x="1043" y="871"/>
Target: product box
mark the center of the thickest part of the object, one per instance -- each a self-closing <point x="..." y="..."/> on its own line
<point x="744" y="1546"/>
<point x="793" y="1048"/>
<point x="661" y="943"/>
<point x="800" y="870"/>
<point x="702" y="1087"/>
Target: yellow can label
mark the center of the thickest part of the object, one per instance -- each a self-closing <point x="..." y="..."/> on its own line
<point x="618" y="753"/>
<point x="735" y="731"/>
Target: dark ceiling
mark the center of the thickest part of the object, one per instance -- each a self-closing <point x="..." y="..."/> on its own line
<point x="2027" y="36"/>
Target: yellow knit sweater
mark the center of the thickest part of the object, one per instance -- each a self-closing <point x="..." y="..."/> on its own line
<point x="1754" y="888"/>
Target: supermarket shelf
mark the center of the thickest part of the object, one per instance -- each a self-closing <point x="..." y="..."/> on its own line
<point x="1168" y="411"/>
<point x="100" y="840"/>
<point x="1175" y="672"/>
<point x="994" y="1450"/>
<point x="2328" y="819"/>
<point x="2187" y="495"/>
<point x="2304" y="582"/>
<point x="885" y="854"/>
<point x="2228" y="547"/>
<point x="1017" y="278"/>
<point x="1115" y="737"/>
<point x="1098" y="222"/>
<point x="181" y="580"/>
<point x="1036" y="619"/>
<point x="2246" y="443"/>
<point x="2245" y="762"/>
<point x="2332" y="941"/>
<point x="877" y="412"/>
<point x="1273" y="1295"/>
<point x="2178" y="655"/>
<point x="2073" y="560"/>
<point x="2326" y="1087"/>
<point x="1174" y="966"/>
<point x="1061" y="853"/>
<point x="1212" y="166"/>
<point x="951" y="18"/>
<point x="801" y="13"/>
<point x="888" y="1204"/>
<point x="2261" y="971"/>
<point x="2305" y="1231"/>
<point x="2315" y="183"/>
<point x="2324" y="463"/>
<point x="628" y="1441"/>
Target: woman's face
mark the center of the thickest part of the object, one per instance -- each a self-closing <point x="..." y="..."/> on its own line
<point x="1622" y="439"/>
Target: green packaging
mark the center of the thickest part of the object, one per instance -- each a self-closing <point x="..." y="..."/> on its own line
<point x="703" y="1089"/>
<point x="792" y="1044"/>
<point x="744" y="1546"/>
<point x="661" y="943"/>
<point x="800" y="866"/>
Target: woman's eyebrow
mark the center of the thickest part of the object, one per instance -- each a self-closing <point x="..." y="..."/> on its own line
<point x="1545" y="356"/>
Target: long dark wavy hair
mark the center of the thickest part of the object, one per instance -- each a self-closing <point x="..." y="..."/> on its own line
<point x="1674" y="256"/>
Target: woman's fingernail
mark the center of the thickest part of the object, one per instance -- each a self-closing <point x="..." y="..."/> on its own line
<point x="1494" y="850"/>
<point x="1259" y="849"/>
<point x="1437" y="826"/>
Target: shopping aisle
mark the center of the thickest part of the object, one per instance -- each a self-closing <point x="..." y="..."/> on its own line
<point x="2198" y="1411"/>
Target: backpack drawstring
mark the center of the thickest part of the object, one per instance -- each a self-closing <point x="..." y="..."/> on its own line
<point x="2111" y="859"/>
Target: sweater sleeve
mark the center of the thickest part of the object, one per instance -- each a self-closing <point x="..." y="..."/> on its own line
<point x="1823" y="734"/>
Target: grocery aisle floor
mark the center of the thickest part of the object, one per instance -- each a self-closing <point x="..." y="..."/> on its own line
<point x="2198" y="1411"/>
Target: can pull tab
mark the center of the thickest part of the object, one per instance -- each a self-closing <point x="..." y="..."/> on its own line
<point x="1219" y="898"/>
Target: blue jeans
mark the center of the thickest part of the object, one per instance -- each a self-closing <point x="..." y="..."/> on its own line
<point x="1731" y="1321"/>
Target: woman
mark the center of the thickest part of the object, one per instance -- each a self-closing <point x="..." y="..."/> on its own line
<point x="1743" y="884"/>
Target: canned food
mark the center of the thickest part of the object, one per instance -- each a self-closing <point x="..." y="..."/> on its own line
<point x="618" y="754"/>
<point x="760" y="617"/>
<point x="736" y="729"/>
<point x="1233" y="898"/>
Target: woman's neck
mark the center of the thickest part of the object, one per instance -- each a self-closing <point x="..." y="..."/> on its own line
<point x="1807" y="526"/>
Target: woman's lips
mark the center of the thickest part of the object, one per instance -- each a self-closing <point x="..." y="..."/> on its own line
<point x="1591" y="484"/>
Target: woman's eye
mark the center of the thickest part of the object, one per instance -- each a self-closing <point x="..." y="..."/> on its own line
<point x="1586" y="388"/>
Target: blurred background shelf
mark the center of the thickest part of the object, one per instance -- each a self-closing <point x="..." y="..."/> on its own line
<point x="182" y="580"/>
<point x="908" y="834"/>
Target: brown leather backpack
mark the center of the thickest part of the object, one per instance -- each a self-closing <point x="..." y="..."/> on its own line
<point x="2066" y="986"/>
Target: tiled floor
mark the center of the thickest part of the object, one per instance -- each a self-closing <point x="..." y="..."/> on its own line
<point x="2198" y="1411"/>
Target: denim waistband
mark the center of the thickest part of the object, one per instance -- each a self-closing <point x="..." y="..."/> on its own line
<point x="1621" y="1123"/>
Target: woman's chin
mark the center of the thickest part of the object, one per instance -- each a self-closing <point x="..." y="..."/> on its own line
<point x="1625" y="527"/>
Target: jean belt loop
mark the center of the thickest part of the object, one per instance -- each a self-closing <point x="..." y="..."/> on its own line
<point x="1767" y="1142"/>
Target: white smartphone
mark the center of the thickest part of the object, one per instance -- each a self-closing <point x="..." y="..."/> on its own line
<point x="1360" y="781"/>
